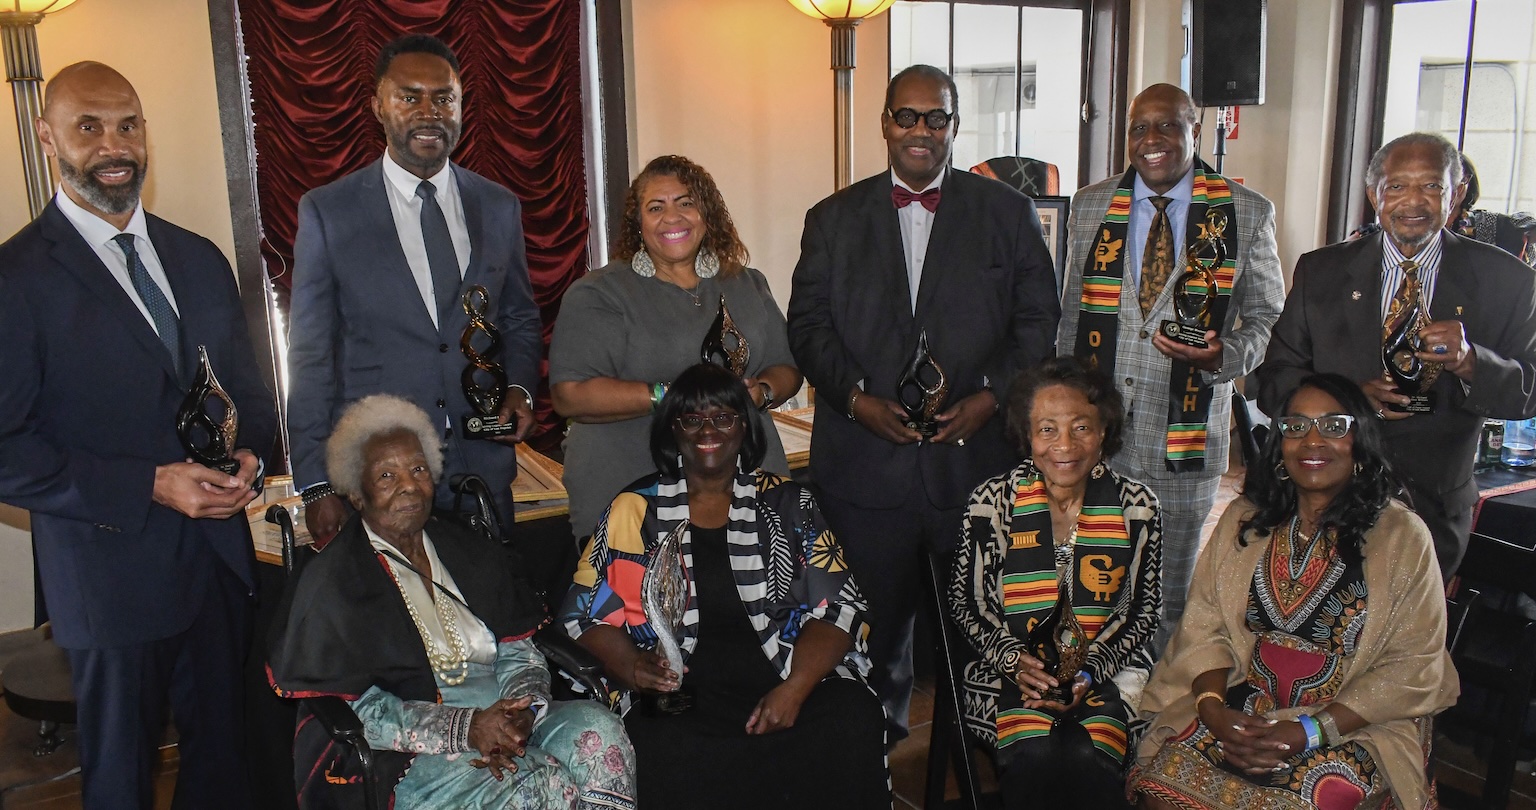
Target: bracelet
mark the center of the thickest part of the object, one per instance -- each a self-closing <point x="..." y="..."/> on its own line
<point x="316" y="492"/>
<point x="767" y="395"/>
<point x="1314" y="733"/>
<point x="1330" y="727"/>
<point x="853" y="397"/>
<point x="1200" y="698"/>
<point x="658" y="390"/>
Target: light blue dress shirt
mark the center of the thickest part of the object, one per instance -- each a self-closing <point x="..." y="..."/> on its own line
<point x="1142" y="213"/>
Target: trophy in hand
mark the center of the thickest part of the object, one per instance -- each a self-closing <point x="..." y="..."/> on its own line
<point x="209" y="437"/>
<point x="1412" y="376"/>
<point x="725" y="345"/>
<point x="1192" y="308"/>
<point x="664" y="598"/>
<point x="922" y="389"/>
<point x="1060" y="644"/>
<point x="484" y="400"/>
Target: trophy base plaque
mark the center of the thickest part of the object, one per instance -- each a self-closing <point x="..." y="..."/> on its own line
<point x="926" y="429"/>
<point x="228" y="466"/>
<point x="486" y="427"/>
<point x="1193" y="336"/>
<point x="666" y="703"/>
<point x="1417" y="403"/>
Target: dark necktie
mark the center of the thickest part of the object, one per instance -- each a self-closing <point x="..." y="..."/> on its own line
<point x="440" y="255"/>
<point x="1157" y="258"/>
<point x="903" y="198"/>
<point x="160" y="311"/>
<point x="1397" y="310"/>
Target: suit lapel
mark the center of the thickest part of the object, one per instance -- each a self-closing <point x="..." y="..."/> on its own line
<point x="453" y="322"/>
<point x="391" y="270"/>
<point x="1362" y="315"/>
<point x="891" y="256"/>
<point x="1455" y="285"/>
<point x="953" y="210"/>
<point x="69" y="250"/>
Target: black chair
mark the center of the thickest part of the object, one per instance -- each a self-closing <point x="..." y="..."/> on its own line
<point x="1494" y="649"/>
<point x="336" y="716"/>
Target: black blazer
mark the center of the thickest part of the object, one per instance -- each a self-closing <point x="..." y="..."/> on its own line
<point x="987" y="301"/>
<point x="1332" y="322"/>
<point x="88" y="410"/>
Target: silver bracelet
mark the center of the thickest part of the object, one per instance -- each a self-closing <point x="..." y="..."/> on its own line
<point x="1330" y="727"/>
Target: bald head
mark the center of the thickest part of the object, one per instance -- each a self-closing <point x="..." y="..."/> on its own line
<point x="93" y="126"/>
<point x="1161" y="129"/>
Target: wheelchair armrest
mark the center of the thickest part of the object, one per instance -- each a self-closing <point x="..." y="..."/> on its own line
<point x="337" y="718"/>
<point x="570" y="657"/>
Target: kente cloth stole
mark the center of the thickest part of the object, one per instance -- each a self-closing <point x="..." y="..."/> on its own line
<point x="1189" y="398"/>
<point x="1101" y="559"/>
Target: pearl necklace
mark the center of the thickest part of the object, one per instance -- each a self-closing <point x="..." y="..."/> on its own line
<point x="453" y="665"/>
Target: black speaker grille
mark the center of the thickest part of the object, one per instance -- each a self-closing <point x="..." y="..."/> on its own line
<point x="1227" y="51"/>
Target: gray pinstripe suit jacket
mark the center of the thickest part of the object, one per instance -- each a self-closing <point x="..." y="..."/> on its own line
<point x="1258" y="292"/>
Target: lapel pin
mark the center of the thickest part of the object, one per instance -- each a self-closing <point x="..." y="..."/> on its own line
<point x="1458" y="310"/>
<point x="1354" y="296"/>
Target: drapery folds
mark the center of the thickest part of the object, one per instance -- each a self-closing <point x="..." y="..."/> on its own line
<point x="310" y="65"/>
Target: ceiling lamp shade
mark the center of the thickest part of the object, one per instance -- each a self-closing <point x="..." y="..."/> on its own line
<point x="819" y="9"/>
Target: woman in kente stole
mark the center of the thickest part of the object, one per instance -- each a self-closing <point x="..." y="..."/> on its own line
<point x="1060" y="524"/>
<point x="1311" y="659"/>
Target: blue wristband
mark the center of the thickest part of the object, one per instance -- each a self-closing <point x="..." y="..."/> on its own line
<point x="1314" y="732"/>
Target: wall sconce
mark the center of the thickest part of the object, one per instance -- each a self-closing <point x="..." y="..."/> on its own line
<point x="842" y="16"/>
<point x="24" y="72"/>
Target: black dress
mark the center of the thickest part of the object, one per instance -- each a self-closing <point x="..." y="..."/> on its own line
<point x="833" y="757"/>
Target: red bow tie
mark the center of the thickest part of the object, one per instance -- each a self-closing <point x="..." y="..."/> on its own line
<point x="903" y="198"/>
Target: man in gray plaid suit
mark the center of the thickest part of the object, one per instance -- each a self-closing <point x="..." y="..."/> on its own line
<point x="1178" y="397"/>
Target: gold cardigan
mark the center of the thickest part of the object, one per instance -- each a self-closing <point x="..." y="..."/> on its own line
<point x="1399" y="673"/>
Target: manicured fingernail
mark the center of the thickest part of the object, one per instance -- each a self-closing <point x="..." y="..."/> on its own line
<point x="1284" y="747"/>
<point x="1271" y="721"/>
<point x="1236" y="727"/>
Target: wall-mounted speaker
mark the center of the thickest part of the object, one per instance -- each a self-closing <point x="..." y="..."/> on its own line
<point x="1228" y="41"/>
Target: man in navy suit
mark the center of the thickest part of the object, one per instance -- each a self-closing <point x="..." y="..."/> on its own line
<point x="382" y="260"/>
<point x="145" y="558"/>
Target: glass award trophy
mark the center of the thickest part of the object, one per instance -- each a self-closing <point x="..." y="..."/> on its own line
<point x="1192" y="309"/>
<point x="664" y="598"/>
<point x="1060" y="644"/>
<point x="725" y="345"/>
<point x="1412" y="376"/>
<point x="922" y="389"/>
<point x="484" y="400"/>
<point x="207" y="422"/>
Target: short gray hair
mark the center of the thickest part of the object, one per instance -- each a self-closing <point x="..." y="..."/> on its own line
<point x="363" y="420"/>
<point x="1450" y="156"/>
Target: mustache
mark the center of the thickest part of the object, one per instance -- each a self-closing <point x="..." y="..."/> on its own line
<point x="112" y="163"/>
<point x="434" y="128"/>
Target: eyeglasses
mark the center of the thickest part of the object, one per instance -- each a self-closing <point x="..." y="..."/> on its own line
<point x="724" y="421"/>
<point x="1329" y="425"/>
<point x="906" y="118"/>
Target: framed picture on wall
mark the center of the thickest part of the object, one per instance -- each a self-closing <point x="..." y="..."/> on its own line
<point x="1053" y="225"/>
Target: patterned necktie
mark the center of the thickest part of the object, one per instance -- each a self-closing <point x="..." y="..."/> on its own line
<point x="1398" y="309"/>
<point x="1157" y="258"/>
<point x="166" y="323"/>
<point x="441" y="257"/>
<point x="903" y="198"/>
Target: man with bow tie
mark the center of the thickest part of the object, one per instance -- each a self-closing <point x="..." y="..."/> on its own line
<point x="917" y="250"/>
<point x="1476" y="339"/>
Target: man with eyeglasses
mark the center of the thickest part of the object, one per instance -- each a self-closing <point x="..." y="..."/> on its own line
<point x="381" y="263"/>
<point x="1477" y="342"/>
<point x="917" y="250"/>
<point x="1129" y="238"/>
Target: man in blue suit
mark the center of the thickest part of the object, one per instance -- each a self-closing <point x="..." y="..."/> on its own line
<point x="382" y="260"/>
<point x="145" y="558"/>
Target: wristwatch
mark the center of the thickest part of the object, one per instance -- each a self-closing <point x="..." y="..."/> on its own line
<point x="767" y="395"/>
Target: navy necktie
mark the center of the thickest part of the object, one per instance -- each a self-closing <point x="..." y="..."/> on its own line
<point x="160" y="311"/>
<point x="441" y="257"/>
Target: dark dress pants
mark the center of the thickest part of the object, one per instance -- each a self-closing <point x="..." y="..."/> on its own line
<point x="123" y="693"/>
<point x="885" y="550"/>
<point x="1450" y="531"/>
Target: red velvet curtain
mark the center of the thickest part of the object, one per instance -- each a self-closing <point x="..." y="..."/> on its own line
<point x="310" y="64"/>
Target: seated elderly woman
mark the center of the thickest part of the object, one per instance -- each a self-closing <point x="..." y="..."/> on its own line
<point x="422" y="627"/>
<point x="1062" y="524"/>
<point x="772" y="630"/>
<point x="1312" y="654"/>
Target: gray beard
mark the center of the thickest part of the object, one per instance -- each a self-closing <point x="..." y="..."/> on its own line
<point x="119" y="200"/>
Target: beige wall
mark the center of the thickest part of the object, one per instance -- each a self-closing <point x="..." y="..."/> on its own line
<point x="162" y="46"/>
<point x="744" y="88"/>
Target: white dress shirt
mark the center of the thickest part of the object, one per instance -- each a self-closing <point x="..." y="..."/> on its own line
<point x="101" y="236"/>
<point x="916" y="227"/>
<point x="406" y="207"/>
<point x="1392" y="260"/>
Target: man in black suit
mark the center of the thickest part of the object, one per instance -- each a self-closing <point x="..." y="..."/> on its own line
<point x="381" y="263"/>
<point x="1481" y="336"/>
<point x="145" y="558"/>
<point x="921" y="249"/>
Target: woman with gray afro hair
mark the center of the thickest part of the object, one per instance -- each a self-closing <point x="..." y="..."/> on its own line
<point x="369" y="417"/>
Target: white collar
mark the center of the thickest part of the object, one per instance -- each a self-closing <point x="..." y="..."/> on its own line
<point x="937" y="181"/>
<point x="406" y="183"/>
<point x="96" y="230"/>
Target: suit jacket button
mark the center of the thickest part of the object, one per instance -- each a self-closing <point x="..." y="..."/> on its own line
<point x="1129" y="381"/>
<point x="1144" y="334"/>
<point x="442" y="347"/>
<point x="442" y="404"/>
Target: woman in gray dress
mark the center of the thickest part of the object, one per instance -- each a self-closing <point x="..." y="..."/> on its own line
<point x="626" y="330"/>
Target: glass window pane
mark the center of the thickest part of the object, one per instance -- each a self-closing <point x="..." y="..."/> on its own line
<point x="919" y="35"/>
<point x="1429" y="46"/>
<point x="1501" y="123"/>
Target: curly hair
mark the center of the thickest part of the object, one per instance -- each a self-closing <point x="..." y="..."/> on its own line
<point x="720" y="237"/>
<point x="1355" y="510"/>
<point x="699" y="387"/>
<point x="367" y="419"/>
<point x="1071" y="372"/>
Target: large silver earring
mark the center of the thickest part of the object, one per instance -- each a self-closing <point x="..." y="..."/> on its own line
<point x="706" y="264"/>
<point x="1280" y="472"/>
<point x="642" y="265"/>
